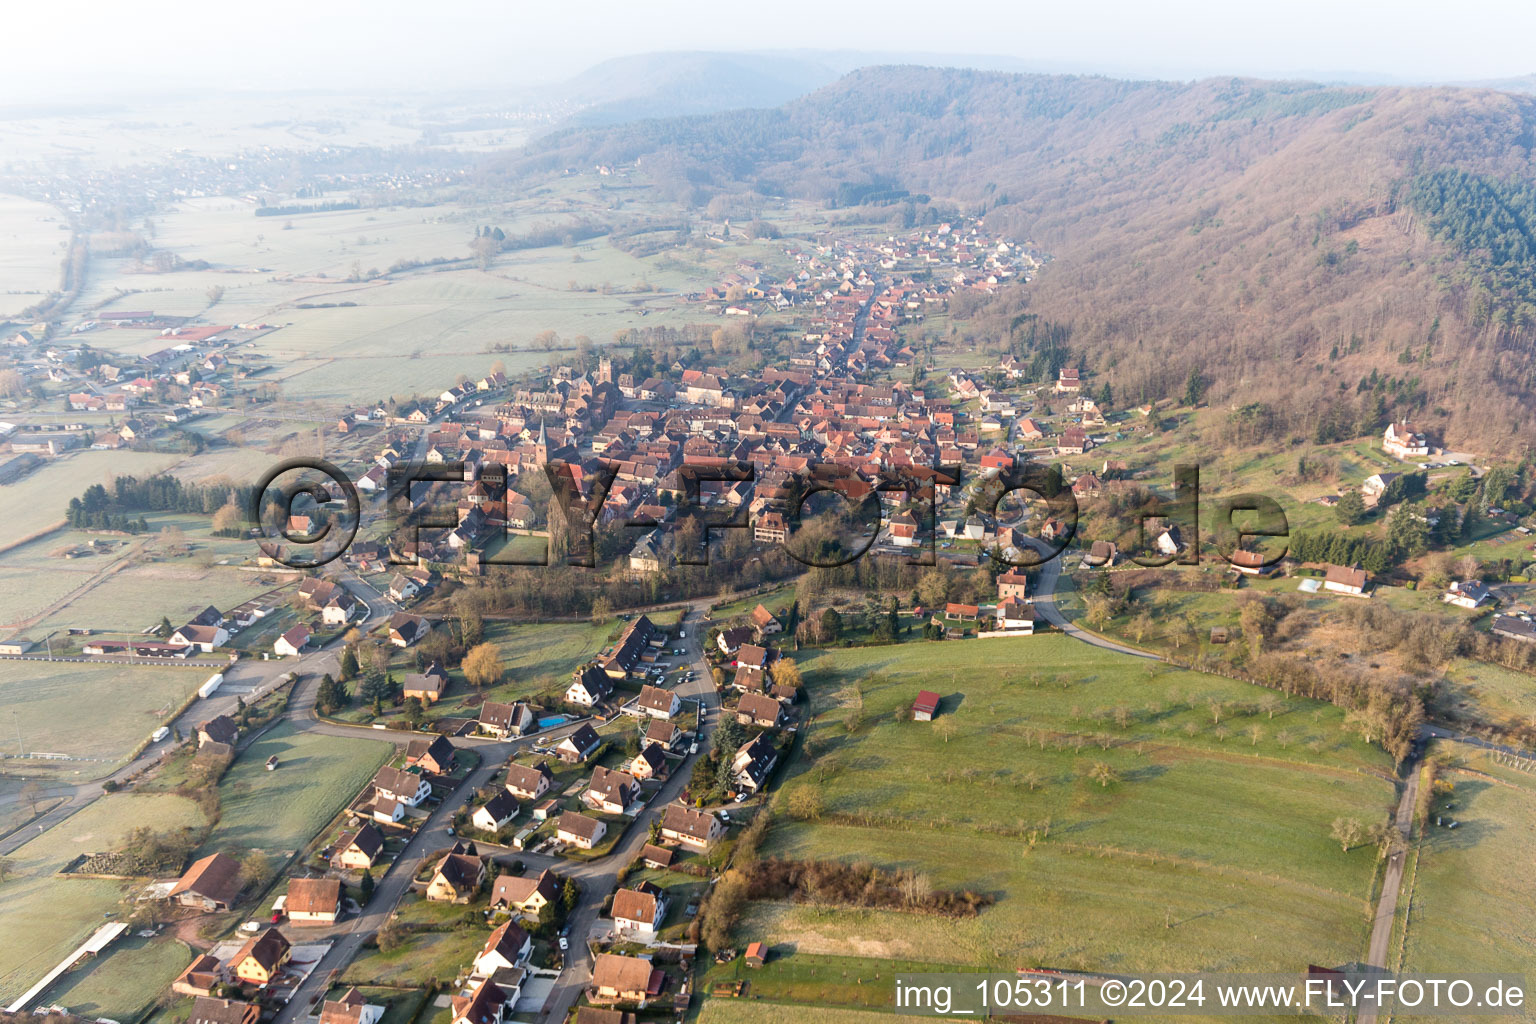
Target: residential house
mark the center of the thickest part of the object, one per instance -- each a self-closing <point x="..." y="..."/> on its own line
<point x="590" y="685"/>
<point x="313" y="900"/>
<point x="962" y="612"/>
<point x="1012" y="584"/>
<point x="696" y="829"/>
<point x="210" y="884"/>
<point x="351" y="1008"/>
<point x="599" y="1015"/>
<point x="650" y="763"/>
<point x="410" y="788"/>
<point x="529" y="783"/>
<point x="424" y="686"/>
<point x="218" y="729"/>
<point x="610" y="791"/>
<point x="624" y="979"/>
<point x="578" y="745"/>
<point x="765" y="623"/>
<point x="1467" y="593"/>
<point x="639" y="912"/>
<point x="261" y="958"/>
<point x="760" y="710"/>
<point x="1343" y="580"/>
<point x="508" y="946"/>
<point x="579" y="830"/>
<point x="433" y="755"/>
<point x="201" y="976"/>
<point x="1015" y="616"/>
<point x="488" y="1004"/>
<point x="669" y="736"/>
<point x="754" y="761"/>
<point x="457" y="878"/>
<point x="406" y="629"/>
<point x="503" y="720"/>
<point x="291" y="644"/>
<point x="213" y="1010"/>
<point x="1404" y="441"/>
<point x="730" y="640"/>
<point x="1101" y="553"/>
<point x="770" y="528"/>
<point x="204" y="638"/>
<point x="658" y="702"/>
<point x="359" y="849"/>
<point x="1514" y="627"/>
<point x="657" y="858"/>
<point x="527" y="895"/>
<point x="495" y="813"/>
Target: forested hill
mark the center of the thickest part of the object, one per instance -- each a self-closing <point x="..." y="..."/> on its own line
<point x="1287" y="238"/>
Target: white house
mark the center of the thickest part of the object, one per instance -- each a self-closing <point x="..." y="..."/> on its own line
<point x="658" y="702"/>
<point x="398" y="784"/>
<point x="291" y="643"/>
<point x="204" y="638"/>
<point x="508" y="946"/>
<point x="1016" y="616"/>
<point x="1466" y="593"/>
<point x="639" y="912"/>
<point x="1345" y="581"/>
<point x="1404" y="442"/>
<point x="496" y="812"/>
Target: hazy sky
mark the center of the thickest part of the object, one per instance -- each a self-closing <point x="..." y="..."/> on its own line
<point x="71" y="47"/>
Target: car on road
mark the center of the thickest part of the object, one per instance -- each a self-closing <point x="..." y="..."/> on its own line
<point x="682" y="634"/>
<point x="565" y="943"/>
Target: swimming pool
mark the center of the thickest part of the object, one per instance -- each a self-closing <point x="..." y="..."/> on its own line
<point x="550" y="723"/>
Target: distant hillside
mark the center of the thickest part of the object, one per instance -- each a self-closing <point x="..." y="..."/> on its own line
<point x="1291" y="241"/>
<point x="673" y="84"/>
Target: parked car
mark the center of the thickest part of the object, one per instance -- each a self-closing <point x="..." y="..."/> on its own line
<point x="565" y="943"/>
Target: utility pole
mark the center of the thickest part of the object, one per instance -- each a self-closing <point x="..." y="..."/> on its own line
<point x="21" y="750"/>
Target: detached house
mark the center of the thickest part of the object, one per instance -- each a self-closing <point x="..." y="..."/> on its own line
<point x="529" y="783"/>
<point x="409" y="788"/>
<point x="210" y="884"/>
<point x="291" y="644"/>
<point x="313" y="900"/>
<point x="405" y="630"/>
<point x="624" y="979"/>
<point x="639" y="912"/>
<point x="435" y="755"/>
<point x="579" y="745"/>
<point x="1350" y="581"/>
<point x="579" y="830"/>
<point x="508" y="946"/>
<point x="357" y="851"/>
<point x="610" y="791"/>
<point x="503" y="720"/>
<point x="457" y="877"/>
<point x="658" y="702"/>
<point x="650" y="763"/>
<point x="259" y="960"/>
<point x="1016" y="616"/>
<point x="760" y="710"/>
<point x="527" y="896"/>
<point x="698" y="830"/>
<point x="496" y="812"/>
<point x="590" y="685"/>
<point x="1467" y="593"/>
<point x="351" y="1008"/>
<point x="754" y="761"/>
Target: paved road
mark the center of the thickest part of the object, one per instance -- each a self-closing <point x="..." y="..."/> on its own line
<point x="1045" y="603"/>
<point x="599" y="878"/>
<point x="1391" y="884"/>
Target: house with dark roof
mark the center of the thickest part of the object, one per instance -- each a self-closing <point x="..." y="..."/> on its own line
<point x="211" y="1010"/>
<point x="507" y="946"/>
<point x="261" y="958"/>
<point x="433" y="755"/>
<point x="495" y="813"/>
<point x="754" y="761"/>
<point x="526" y="895"/>
<point x="456" y="879"/>
<point x="219" y="729"/>
<point x="407" y="787"/>
<point x="581" y="744"/>
<point x="359" y="849"/>
<point x="650" y="763"/>
<point x="589" y="685"/>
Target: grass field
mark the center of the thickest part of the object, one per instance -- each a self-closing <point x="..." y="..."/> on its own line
<point x="541" y="656"/>
<point x="43" y="917"/>
<point x="124" y="981"/>
<point x="91" y="711"/>
<point x="33" y="239"/>
<point x="1473" y="890"/>
<point x="38" y="500"/>
<point x="282" y="810"/>
<point x="425" y="956"/>
<point x="1210" y="850"/>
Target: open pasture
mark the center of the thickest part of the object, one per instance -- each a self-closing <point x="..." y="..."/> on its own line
<point x="1111" y="776"/>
